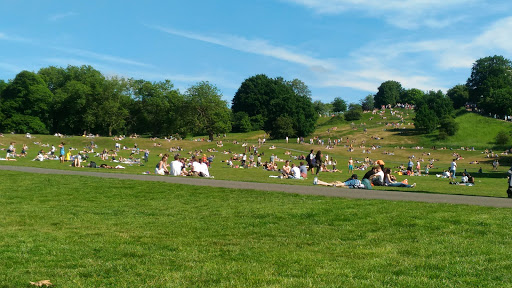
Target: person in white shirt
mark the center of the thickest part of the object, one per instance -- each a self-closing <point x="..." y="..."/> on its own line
<point x="176" y="166"/>
<point x="295" y="173"/>
<point x="378" y="177"/>
<point x="203" y="169"/>
<point x="196" y="166"/>
<point x="453" y="168"/>
<point x="11" y="151"/>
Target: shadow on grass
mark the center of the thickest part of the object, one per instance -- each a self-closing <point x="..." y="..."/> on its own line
<point x="407" y="190"/>
<point x="492" y="174"/>
<point x="406" y="132"/>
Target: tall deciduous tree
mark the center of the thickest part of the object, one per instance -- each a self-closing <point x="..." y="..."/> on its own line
<point x="368" y="103"/>
<point x="254" y="95"/>
<point x="488" y="74"/>
<point x="206" y="111"/>
<point x="389" y="93"/>
<point x="289" y="105"/>
<point x="410" y="96"/>
<point x="156" y="107"/>
<point x="425" y="120"/>
<point x="339" y="105"/>
<point x="112" y="111"/>
<point x="25" y="104"/>
<point x="459" y="95"/>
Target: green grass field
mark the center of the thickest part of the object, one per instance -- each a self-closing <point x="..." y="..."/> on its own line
<point x="86" y="232"/>
<point x="395" y="147"/>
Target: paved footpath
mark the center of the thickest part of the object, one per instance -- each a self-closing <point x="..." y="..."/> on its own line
<point x="295" y="189"/>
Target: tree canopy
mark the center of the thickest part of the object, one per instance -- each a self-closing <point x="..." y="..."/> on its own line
<point x="25" y="104"/>
<point x="388" y="93"/>
<point x="489" y="74"/>
<point x="339" y="105"/>
<point x="206" y="112"/>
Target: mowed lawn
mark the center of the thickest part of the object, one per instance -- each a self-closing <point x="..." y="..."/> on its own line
<point x="90" y="232"/>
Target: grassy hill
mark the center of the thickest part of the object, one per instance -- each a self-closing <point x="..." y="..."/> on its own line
<point x="474" y="131"/>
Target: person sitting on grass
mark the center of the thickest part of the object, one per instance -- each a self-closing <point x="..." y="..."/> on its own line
<point x="390" y="180"/>
<point x="303" y="170"/>
<point x="40" y="156"/>
<point x="467" y="179"/>
<point x="295" y="172"/>
<point x="203" y="169"/>
<point x="161" y="167"/>
<point x="77" y="161"/>
<point x="176" y="166"/>
<point x="377" y="179"/>
<point x="286" y="170"/>
<point x="11" y="152"/>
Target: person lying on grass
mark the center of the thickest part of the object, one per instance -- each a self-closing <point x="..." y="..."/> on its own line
<point x="351" y="182"/>
<point x="390" y="180"/>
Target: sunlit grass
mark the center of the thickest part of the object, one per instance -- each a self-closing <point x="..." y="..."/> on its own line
<point x="89" y="232"/>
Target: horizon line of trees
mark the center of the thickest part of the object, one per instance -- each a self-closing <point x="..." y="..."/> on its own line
<point x="74" y="100"/>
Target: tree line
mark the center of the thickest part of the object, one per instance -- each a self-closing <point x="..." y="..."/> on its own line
<point x="76" y="100"/>
<point x="487" y="90"/>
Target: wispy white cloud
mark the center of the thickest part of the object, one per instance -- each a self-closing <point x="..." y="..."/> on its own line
<point x="13" y="38"/>
<point x="101" y="57"/>
<point x="408" y="62"/>
<point x="408" y="14"/>
<point x="255" y="46"/>
<point x="59" y="16"/>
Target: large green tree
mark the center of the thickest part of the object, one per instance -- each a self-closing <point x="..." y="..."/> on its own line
<point x="112" y="109"/>
<point x="432" y="109"/>
<point x="25" y="104"/>
<point x="156" y="108"/>
<point x="459" y="95"/>
<point x="77" y="94"/>
<point x="72" y="108"/>
<point x="425" y="120"/>
<point x="286" y="105"/>
<point x="254" y="96"/>
<point x="410" y="96"/>
<point x="368" y="103"/>
<point x="205" y="110"/>
<point x="488" y="74"/>
<point x="389" y="93"/>
<point x="339" y="105"/>
<point x="322" y="108"/>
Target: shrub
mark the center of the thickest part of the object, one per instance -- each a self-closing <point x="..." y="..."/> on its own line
<point x="352" y="115"/>
<point x="502" y="138"/>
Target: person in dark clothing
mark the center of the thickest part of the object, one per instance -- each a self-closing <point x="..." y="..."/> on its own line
<point x="318" y="161"/>
<point x="370" y="173"/>
<point x="309" y="160"/>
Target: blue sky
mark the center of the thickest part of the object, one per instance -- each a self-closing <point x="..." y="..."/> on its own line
<point x="339" y="48"/>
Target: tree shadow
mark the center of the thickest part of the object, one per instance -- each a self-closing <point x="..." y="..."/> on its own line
<point x="406" y="132"/>
<point x="492" y="174"/>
